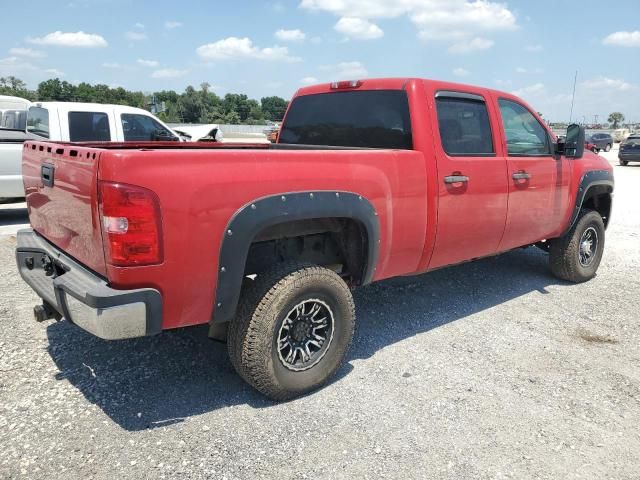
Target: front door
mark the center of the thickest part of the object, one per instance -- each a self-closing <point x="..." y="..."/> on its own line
<point x="472" y="178"/>
<point x="538" y="180"/>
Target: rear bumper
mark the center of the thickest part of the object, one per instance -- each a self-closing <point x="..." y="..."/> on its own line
<point x="629" y="157"/>
<point x="83" y="297"/>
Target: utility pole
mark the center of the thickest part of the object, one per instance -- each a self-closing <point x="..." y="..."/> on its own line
<point x="595" y="119"/>
<point x="573" y="96"/>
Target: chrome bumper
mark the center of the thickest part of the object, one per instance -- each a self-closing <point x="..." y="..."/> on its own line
<point x="83" y="297"/>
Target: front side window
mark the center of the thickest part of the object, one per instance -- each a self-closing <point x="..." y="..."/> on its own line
<point x="367" y="118"/>
<point x="141" y="128"/>
<point x="89" y="127"/>
<point x="525" y="135"/>
<point x="465" y="129"/>
<point x="38" y="121"/>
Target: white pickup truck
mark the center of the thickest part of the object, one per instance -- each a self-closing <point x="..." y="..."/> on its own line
<point x="75" y="122"/>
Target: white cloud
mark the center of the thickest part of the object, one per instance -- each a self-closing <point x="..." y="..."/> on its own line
<point x="113" y="65"/>
<point x="534" y="48"/>
<point x="358" y="28"/>
<point x="440" y="20"/>
<point x="169" y="73"/>
<point x="148" y="63"/>
<point x="295" y="35"/>
<point x="530" y="70"/>
<point x="136" y="36"/>
<point x="345" y="70"/>
<point x="473" y="45"/>
<point x="460" y="72"/>
<point x="27" y="52"/>
<point x="238" y="48"/>
<point x="623" y="39"/>
<point x="607" y="83"/>
<point x="139" y="25"/>
<point x="171" y="24"/>
<point x="528" y="90"/>
<point x="54" y="71"/>
<point x="13" y="65"/>
<point x="308" y="80"/>
<point x="70" y="39"/>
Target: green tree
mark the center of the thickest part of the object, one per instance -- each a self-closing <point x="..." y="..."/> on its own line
<point x="274" y="108"/>
<point x="14" y="86"/>
<point x="615" y="119"/>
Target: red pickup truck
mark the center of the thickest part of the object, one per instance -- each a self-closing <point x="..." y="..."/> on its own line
<point x="369" y="179"/>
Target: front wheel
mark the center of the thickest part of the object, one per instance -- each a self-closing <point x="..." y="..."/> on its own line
<point x="624" y="163"/>
<point x="293" y="329"/>
<point x="576" y="256"/>
<point x="607" y="147"/>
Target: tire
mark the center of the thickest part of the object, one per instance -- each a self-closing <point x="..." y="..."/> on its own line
<point x="624" y="163"/>
<point x="269" y="317"/>
<point x="595" y="149"/>
<point x="607" y="147"/>
<point x="568" y="260"/>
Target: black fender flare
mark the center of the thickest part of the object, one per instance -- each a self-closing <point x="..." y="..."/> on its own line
<point x="595" y="179"/>
<point x="265" y="212"/>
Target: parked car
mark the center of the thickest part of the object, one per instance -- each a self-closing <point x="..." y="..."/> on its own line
<point x="272" y="132"/>
<point x="629" y="150"/>
<point x="370" y="179"/>
<point x="602" y="141"/>
<point x="621" y="134"/>
<point x="590" y="146"/>
<point x="13" y="112"/>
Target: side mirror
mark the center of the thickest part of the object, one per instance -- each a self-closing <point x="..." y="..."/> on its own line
<point x="574" y="143"/>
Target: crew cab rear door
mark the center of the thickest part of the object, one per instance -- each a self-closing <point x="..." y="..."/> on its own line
<point x="472" y="177"/>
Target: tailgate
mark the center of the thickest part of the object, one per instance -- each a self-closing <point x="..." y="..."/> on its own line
<point x="62" y="198"/>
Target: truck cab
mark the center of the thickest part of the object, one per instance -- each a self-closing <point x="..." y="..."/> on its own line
<point x="94" y="122"/>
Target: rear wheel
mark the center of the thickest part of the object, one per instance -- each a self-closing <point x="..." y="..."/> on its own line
<point x="293" y="330"/>
<point x="576" y="256"/>
<point x="624" y="163"/>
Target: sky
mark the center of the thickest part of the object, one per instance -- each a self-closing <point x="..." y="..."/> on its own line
<point x="530" y="48"/>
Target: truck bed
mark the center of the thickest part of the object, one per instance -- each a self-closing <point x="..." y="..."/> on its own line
<point x="200" y="186"/>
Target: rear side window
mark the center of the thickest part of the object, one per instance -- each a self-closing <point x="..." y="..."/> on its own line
<point x="142" y="128"/>
<point x="89" y="127"/>
<point x="367" y="118"/>
<point x="38" y="121"/>
<point x="525" y="135"/>
<point x="465" y="129"/>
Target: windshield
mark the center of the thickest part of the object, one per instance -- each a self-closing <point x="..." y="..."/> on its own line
<point x="368" y="118"/>
<point x="38" y="121"/>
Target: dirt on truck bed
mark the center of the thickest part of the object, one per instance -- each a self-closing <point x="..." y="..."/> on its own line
<point x="492" y="369"/>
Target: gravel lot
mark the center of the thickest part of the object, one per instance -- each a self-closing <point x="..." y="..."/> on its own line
<point x="492" y="369"/>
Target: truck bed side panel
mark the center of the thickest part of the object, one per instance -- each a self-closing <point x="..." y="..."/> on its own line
<point x="200" y="190"/>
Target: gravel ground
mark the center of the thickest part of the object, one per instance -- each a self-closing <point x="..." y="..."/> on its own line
<point x="492" y="369"/>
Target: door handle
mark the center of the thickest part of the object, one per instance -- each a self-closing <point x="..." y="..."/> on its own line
<point x="521" y="176"/>
<point x="46" y="174"/>
<point x="456" y="179"/>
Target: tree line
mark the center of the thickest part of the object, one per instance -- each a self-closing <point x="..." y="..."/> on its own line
<point x="191" y="106"/>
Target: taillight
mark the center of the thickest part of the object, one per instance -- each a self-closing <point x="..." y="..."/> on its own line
<point x="131" y="224"/>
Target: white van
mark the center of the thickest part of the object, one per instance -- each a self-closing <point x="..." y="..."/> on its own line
<point x="620" y="134"/>
<point x="94" y="122"/>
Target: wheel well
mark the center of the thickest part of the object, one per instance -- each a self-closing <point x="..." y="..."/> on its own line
<point x="598" y="198"/>
<point x="338" y="243"/>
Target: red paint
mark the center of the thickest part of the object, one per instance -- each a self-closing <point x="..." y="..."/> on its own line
<point x="424" y="224"/>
